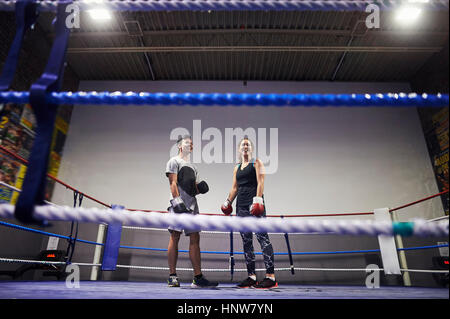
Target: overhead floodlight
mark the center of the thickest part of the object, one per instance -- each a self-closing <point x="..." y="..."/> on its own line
<point x="408" y="14"/>
<point x="100" y="14"/>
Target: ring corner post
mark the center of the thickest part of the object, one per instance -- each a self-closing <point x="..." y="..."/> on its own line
<point x="26" y="15"/>
<point x="402" y="255"/>
<point x="33" y="190"/>
<point x="112" y="244"/>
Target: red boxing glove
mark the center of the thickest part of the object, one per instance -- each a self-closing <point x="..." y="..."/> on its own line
<point x="257" y="208"/>
<point x="227" y="209"/>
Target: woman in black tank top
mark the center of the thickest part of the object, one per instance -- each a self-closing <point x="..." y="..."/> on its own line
<point x="248" y="187"/>
<point x="247" y="183"/>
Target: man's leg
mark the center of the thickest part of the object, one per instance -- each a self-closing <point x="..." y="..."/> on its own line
<point x="199" y="280"/>
<point x="172" y="251"/>
<point x="194" y="253"/>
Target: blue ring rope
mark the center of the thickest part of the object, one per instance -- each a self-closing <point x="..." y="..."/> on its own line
<point x="237" y="5"/>
<point x="235" y="99"/>
<point x="47" y="233"/>
<point x="216" y="252"/>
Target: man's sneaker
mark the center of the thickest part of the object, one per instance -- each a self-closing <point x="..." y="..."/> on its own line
<point x="173" y="281"/>
<point x="247" y="283"/>
<point x="202" y="282"/>
<point x="267" y="283"/>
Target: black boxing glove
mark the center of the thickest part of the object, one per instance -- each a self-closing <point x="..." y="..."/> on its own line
<point x="202" y="187"/>
<point x="178" y="205"/>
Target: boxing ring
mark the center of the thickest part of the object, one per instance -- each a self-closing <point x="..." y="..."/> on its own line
<point x="159" y="290"/>
<point x="32" y="211"/>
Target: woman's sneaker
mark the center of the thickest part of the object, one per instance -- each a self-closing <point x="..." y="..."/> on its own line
<point x="202" y="282"/>
<point x="173" y="281"/>
<point x="267" y="283"/>
<point x="247" y="283"/>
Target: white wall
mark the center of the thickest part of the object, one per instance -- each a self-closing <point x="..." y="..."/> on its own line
<point x="329" y="160"/>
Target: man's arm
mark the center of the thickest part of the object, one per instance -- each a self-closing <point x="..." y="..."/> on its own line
<point x="173" y="184"/>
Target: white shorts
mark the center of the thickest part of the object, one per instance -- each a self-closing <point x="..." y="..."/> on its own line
<point x="191" y="204"/>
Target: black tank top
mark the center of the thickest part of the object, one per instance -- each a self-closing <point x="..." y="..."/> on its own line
<point x="247" y="184"/>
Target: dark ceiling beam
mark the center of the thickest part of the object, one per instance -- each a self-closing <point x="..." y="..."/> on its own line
<point x="383" y="49"/>
<point x="263" y="31"/>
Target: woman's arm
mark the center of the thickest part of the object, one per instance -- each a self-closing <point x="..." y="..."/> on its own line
<point x="234" y="187"/>
<point x="260" y="176"/>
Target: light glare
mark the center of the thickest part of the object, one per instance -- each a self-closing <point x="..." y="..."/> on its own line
<point x="100" y="14"/>
<point x="407" y="15"/>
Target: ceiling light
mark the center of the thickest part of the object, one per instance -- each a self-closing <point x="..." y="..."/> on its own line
<point x="100" y="14"/>
<point x="406" y="15"/>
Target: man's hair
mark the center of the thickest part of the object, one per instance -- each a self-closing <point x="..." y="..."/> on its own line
<point x="183" y="137"/>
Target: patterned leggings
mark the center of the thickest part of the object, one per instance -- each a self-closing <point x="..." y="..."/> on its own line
<point x="249" y="252"/>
